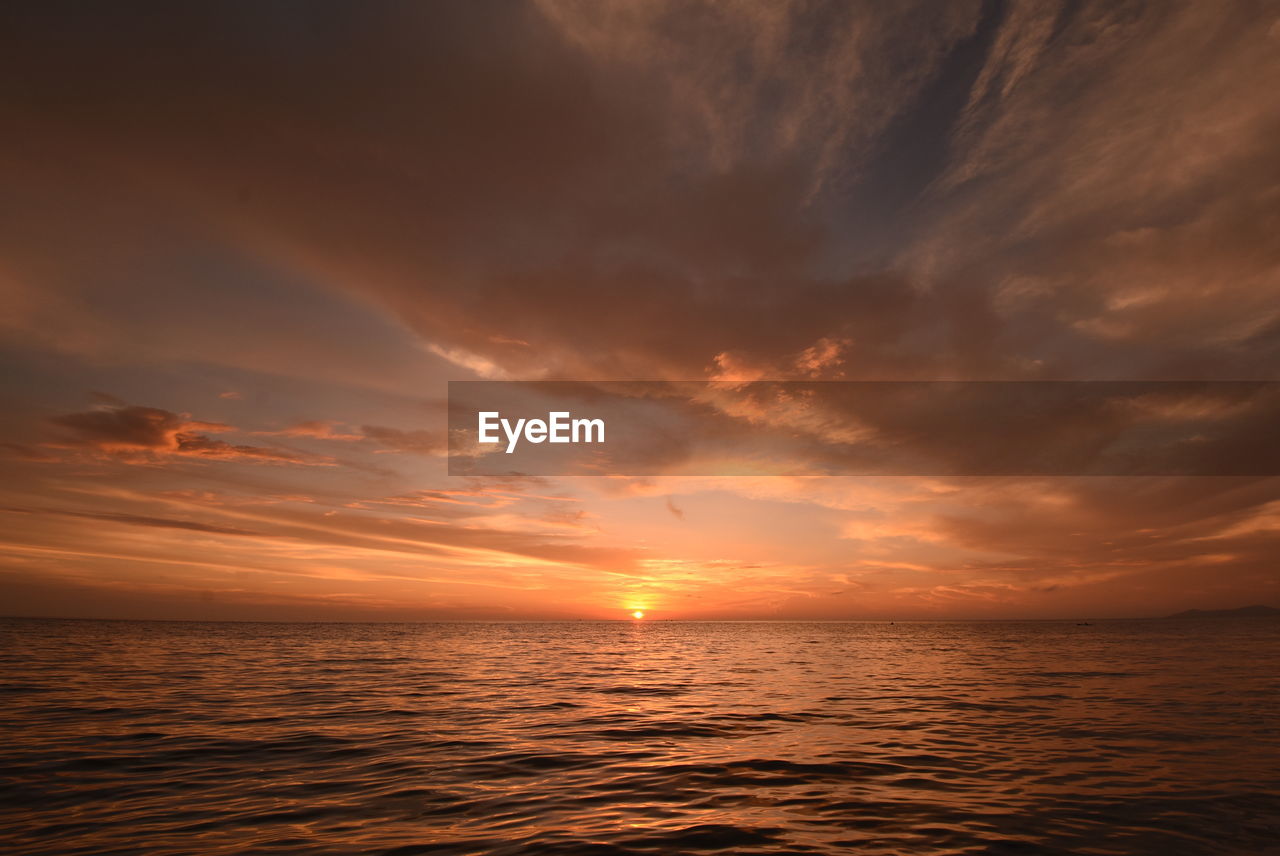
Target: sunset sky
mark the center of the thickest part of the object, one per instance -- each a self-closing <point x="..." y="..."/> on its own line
<point x="244" y="246"/>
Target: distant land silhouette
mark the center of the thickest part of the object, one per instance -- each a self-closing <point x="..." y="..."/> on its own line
<point x="1242" y="612"/>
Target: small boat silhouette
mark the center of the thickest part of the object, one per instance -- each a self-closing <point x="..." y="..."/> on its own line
<point x="1084" y="624"/>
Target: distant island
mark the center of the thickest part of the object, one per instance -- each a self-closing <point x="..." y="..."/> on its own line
<point x="1242" y="612"/>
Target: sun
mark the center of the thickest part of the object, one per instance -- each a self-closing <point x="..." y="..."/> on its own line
<point x="638" y="614"/>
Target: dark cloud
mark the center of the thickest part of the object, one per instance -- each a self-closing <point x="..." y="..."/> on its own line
<point x="129" y="430"/>
<point x="667" y="190"/>
<point x="118" y="427"/>
<point x="676" y="511"/>
<point x="138" y="520"/>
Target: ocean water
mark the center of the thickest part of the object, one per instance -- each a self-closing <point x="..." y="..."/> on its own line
<point x="640" y="738"/>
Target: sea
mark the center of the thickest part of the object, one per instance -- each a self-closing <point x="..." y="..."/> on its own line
<point x="640" y="737"/>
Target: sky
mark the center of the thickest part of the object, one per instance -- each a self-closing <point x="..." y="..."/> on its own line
<point x="245" y="245"/>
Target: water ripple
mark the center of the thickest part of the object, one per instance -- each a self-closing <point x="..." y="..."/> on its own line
<point x="640" y="738"/>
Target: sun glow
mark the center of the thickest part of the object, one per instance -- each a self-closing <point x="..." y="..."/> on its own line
<point x="637" y="614"/>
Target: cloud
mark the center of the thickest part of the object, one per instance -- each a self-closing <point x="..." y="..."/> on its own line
<point x="747" y="81"/>
<point x="693" y="189"/>
<point x="418" y="441"/>
<point x="127" y="427"/>
<point x="138" y="520"/>
<point x="28" y="453"/>
<point x="317" y="429"/>
<point x="206" y="447"/>
<point x="483" y="366"/>
<point x="129" y="431"/>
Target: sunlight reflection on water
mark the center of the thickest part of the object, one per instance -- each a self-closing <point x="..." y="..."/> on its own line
<point x="641" y="737"/>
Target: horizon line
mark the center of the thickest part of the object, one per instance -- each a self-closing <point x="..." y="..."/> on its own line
<point x="619" y="620"/>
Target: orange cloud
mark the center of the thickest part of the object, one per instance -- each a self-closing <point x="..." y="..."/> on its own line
<point x="318" y="429"/>
<point x="418" y="442"/>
